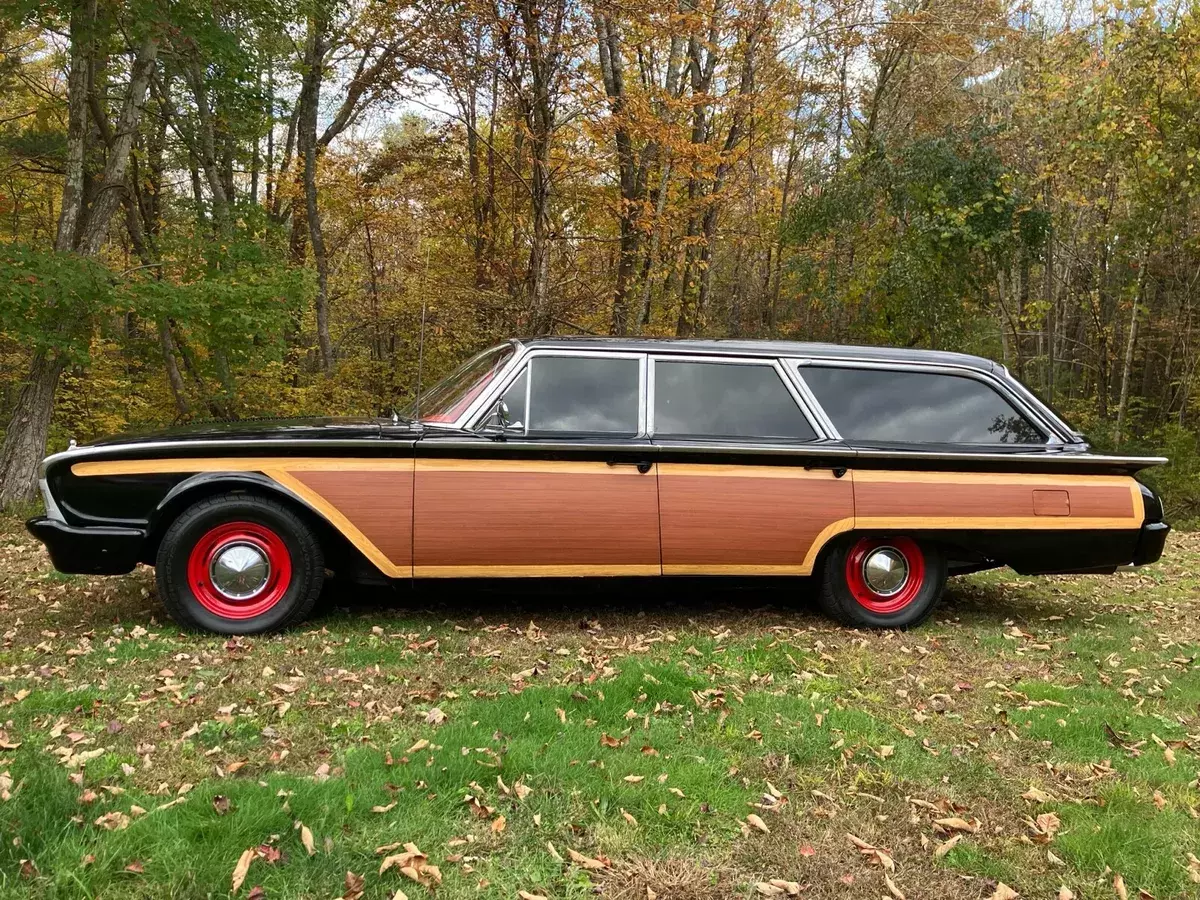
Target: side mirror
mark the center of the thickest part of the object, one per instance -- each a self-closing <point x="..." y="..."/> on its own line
<point x="499" y="421"/>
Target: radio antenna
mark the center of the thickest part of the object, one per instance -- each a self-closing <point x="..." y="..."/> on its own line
<point x="421" y="341"/>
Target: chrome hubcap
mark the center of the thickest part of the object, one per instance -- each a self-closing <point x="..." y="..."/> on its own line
<point x="885" y="570"/>
<point x="239" y="571"/>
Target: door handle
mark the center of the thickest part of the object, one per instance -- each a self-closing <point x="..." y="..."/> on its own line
<point x="643" y="465"/>
<point x="838" y="471"/>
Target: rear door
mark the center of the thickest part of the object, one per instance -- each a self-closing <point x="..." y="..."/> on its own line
<point x="747" y="485"/>
<point x="569" y="489"/>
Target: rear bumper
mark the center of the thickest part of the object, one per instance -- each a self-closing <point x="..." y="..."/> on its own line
<point x="97" y="550"/>
<point x="1150" y="543"/>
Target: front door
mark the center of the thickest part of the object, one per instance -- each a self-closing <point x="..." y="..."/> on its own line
<point x="571" y="491"/>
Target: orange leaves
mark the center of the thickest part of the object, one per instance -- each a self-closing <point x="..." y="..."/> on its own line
<point x="414" y="864"/>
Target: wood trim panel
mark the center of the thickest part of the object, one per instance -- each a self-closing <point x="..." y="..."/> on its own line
<point x="548" y="518"/>
<point x="767" y="520"/>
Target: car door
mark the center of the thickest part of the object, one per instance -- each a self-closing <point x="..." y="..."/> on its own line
<point x="747" y="484"/>
<point x="568" y="488"/>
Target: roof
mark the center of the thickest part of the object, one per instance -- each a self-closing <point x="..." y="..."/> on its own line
<point x="766" y="348"/>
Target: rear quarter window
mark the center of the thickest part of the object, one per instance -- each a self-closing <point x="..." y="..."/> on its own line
<point x="917" y="407"/>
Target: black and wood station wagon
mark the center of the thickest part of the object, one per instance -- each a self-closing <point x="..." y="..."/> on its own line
<point x="878" y="471"/>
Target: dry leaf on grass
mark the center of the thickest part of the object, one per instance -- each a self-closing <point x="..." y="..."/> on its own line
<point x="946" y="846"/>
<point x="758" y="823"/>
<point x="1004" y="892"/>
<point x="875" y="854"/>
<point x="1043" y="828"/>
<point x="955" y="823"/>
<point x="587" y="862"/>
<point x="306" y="838"/>
<point x="354" y="886"/>
<point x="240" y="870"/>
<point x="525" y="895"/>
<point x="1119" y="887"/>
<point x="777" y="887"/>
<point x="892" y="888"/>
<point x="1065" y="893"/>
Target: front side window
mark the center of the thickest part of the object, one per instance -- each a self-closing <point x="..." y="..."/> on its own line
<point x="583" y="395"/>
<point x="917" y="407"/>
<point x="448" y="399"/>
<point x="725" y="400"/>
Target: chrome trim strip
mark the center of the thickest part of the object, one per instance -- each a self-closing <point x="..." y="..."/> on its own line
<point x="264" y="443"/>
<point x="52" y="510"/>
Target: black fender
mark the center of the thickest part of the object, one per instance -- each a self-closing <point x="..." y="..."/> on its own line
<point x="338" y="550"/>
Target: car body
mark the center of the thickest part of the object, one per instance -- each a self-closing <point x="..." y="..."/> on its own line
<point x="608" y="457"/>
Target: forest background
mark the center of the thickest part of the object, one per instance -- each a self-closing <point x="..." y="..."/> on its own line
<point x="241" y="209"/>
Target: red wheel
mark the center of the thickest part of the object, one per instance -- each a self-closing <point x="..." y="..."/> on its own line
<point x="239" y="570"/>
<point x="882" y="582"/>
<point x="885" y="574"/>
<point x="239" y="563"/>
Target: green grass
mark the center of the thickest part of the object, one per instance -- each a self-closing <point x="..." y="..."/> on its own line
<point x="716" y="702"/>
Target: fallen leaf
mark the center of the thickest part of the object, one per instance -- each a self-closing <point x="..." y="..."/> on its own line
<point x="498" y="824"/>
<point x="629" y="818"/>
<point x="1065" y="893"/>
<point x="955" y="823"/>
<point x="354" y="886"/>
<point x="113" y="821"/>
<point x="306" y="838"/>
<point x="606" y="741"/>
<point x="258" y="893"/>
<point x="435" y="717"/>
<point x="240" y="870"/>
<point x="1037" y="796"/>
<point x="384" y="809"/>
<point x="892" y="888"/>
<point x="586" y="862"/>
<point x="758" y="823"/>
<point x="418" y="746"/>
<point x="221" y="804"/>
<point x="135" y="867"/>
<point x="1004" y="892"/>
<point x="1119" y="887"/>
<point x="525" y="895"/>
<point x="883" y="857"/>
<point x="634" y="779"/>
<point x="946" y="846"/>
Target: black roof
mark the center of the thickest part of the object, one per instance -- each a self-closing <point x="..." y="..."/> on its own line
<point x="766" y="348"/>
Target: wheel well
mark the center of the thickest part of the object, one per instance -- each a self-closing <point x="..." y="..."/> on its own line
<point x="957" y="556"/>
<point x="340" y="554"/>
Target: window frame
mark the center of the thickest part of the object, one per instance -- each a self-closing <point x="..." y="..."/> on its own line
<point x="1053" y="433"/>
<point x="819" y="431"/>
<point x="475" y="417"/>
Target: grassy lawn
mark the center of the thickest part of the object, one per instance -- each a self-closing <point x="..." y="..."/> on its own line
<point x="660" y="740"/>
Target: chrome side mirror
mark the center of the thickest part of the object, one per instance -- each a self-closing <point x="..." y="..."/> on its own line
<point x="499" y="421"/>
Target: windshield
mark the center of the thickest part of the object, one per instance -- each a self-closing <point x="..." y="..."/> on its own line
<point x="448" y="399"/>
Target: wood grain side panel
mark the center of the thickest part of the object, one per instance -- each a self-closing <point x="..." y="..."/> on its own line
<point x="378" y="503"/>
<point x="951" y="499"/>
<point x="592" y="519"/>
<point x="757" y="520"/>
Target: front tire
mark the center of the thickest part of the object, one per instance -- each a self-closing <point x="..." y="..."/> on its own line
<point x="882" y="582"/>
<point x="239" y="564"/>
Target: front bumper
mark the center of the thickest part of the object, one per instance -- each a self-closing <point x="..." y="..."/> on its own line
<point x="1150" y="543"/>
<point x="96" y="550"/>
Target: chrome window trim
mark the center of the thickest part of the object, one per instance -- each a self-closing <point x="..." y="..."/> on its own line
<point x="476" y="413"/>
<point x="1054" y="436"/>
<point x="819" y="432"/>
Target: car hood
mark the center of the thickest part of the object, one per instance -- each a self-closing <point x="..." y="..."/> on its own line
<point x="256" y="429"/>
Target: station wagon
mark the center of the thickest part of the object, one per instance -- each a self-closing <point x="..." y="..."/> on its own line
<point x="877" y="471"/>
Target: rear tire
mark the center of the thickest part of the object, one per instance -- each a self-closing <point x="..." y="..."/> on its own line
<point x="239" y="564"/>
<point x="882" y="582"/>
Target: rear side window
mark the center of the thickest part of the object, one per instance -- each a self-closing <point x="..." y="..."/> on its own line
<point x="724" y="400"/>
<point x="917" y="407"/>
<point x="584" y="395"/>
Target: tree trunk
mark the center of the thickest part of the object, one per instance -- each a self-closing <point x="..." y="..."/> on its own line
<point x="25" y="440"/>
<point x="314" y="58"/>
<point x="82" y="18"/>
<point x="1130" y="344"/>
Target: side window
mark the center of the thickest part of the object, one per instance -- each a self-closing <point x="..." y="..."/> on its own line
<point x="917" y="407"/>
<point x="725" y="400"/>
<point x="584" y="395"/>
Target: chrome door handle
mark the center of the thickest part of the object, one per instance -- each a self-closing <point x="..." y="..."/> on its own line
<point x="643" y="465"/>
